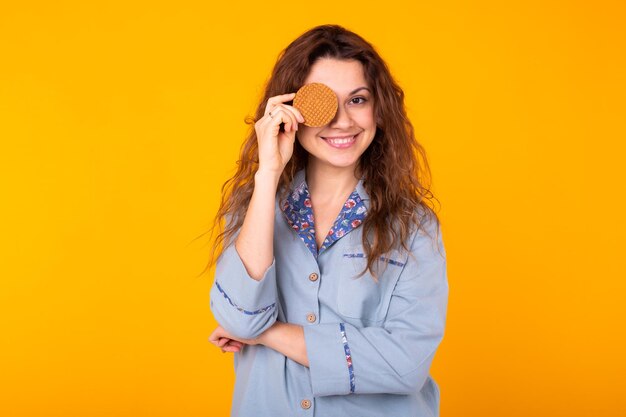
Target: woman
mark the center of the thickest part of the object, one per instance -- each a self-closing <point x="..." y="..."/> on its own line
<point x="332" y="282"/>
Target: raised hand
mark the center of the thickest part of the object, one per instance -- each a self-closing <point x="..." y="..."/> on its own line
<point x="276" y="147"/>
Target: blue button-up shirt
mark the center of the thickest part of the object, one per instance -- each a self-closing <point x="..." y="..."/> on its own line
<point x="370" y="345"/>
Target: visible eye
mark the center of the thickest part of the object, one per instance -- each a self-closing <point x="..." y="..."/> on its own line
<point x="358" y="100"/>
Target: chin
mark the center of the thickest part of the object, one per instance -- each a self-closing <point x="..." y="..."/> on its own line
<point x="342" y="163"/>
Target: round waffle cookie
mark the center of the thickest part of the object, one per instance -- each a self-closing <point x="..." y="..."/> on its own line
<point x="317" y="103"/>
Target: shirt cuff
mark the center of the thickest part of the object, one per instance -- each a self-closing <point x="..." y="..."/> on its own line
<point x="330" y="363"/>
<point x="240" y="290"/>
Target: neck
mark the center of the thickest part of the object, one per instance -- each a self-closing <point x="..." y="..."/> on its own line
<point x="328" y="183"/>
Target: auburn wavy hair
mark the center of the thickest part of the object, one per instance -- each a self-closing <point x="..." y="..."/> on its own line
<point x="394" y="166"/>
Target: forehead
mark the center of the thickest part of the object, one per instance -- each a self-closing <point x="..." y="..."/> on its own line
<point x="342" y="76"/>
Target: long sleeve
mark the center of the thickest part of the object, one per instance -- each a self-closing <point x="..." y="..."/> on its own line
<point x="242" y="305"/>
<point x="396" y="356"/>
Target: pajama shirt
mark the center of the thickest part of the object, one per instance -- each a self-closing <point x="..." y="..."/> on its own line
<point x="370" y="344"/>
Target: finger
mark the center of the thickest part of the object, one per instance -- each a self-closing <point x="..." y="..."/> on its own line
<point x="216" y="334"/>
<point x="288" y="110"/>
<point x="287" y="118"/>
<point x="214" y="338"/>
<point x="295" y="111"/>
<point x="232" y="349"/>
<point x="225" y="341"/>
<point x="235" y="343"/>
<point x="282" y="115"/>
<point x="276" y="100"/>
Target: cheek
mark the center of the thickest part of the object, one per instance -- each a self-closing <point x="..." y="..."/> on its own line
<point x="305" y="138"/>
<point x="306" y="134"/>
<point x="365" y="119"/>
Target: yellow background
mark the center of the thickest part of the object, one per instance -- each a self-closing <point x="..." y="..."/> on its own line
<point x="119" y="121"/>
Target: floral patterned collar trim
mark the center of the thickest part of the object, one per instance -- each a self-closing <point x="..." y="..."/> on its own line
<point x="298" y="211"/>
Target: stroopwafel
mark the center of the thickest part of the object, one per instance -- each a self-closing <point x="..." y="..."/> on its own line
<point x="317" y="103"/>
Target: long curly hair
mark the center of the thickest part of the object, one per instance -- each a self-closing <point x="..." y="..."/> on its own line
<point x="394" y="167"/>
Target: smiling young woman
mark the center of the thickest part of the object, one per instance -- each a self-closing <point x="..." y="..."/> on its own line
<point x="332" y="280"/>
<point x="340" y="144"/>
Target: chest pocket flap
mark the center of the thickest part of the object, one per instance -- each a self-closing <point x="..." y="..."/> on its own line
<point x="362" y="298"/>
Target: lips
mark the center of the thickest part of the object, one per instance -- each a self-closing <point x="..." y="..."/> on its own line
<point x="343" y="141"/>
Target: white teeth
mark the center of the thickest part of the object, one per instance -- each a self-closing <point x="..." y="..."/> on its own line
<point x="340" y="141"/>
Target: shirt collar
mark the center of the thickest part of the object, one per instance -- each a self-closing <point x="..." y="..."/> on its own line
<point x="297" y="210"/>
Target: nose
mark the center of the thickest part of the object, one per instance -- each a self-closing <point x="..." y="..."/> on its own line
<point x="342" y="118"/>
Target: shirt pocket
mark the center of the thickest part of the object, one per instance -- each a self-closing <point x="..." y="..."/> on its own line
<point x="362" y="298"/>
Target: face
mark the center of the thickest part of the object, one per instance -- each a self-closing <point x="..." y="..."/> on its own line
<point x="340" y="143"/>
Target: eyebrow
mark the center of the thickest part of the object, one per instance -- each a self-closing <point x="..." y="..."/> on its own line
<point x="359" y="89"/>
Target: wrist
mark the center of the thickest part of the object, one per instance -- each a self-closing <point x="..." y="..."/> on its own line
<point x="267" y="175"/>
<point x="265" y="337"/>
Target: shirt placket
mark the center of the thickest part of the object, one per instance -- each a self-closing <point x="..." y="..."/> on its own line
<point x="298" y="212"/>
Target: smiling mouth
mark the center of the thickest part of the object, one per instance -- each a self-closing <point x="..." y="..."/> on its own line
<point x="340" y="141"/>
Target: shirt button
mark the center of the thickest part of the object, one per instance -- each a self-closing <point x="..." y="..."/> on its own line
<point x="313" y="277"/>
<point x="306" y="404"/>
<point x="311" y="318"/>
